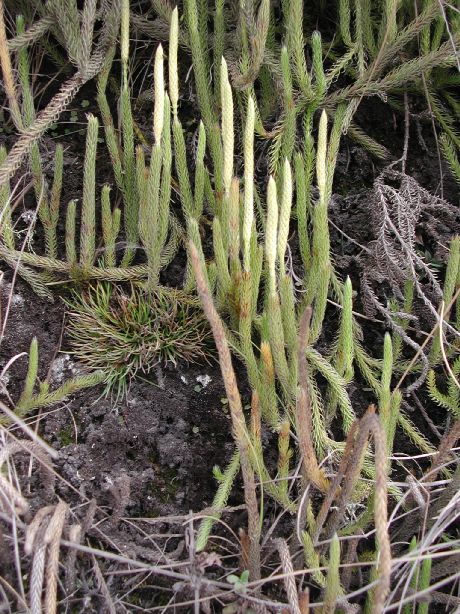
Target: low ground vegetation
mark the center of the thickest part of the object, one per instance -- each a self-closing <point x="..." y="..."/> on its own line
<point x="267" y="191"/>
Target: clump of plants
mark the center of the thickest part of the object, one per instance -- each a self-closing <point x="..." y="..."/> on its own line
<point x="127" y="332"/>
<point x="357" y="528"/>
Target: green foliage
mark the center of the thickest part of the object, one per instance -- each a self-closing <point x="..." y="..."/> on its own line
<point x="32" y="372"/>
<point x="273" y="49"/>
<point x="198" y="47"/>
<point x="451" y="400"/>
<point x="86" y="48"/>
<point x="332" y="589"/>
<point x="79" y="265"/>
<point x="450" y="286"/>
<point x="272" y="77"/>
<point x="6" y="225"/>
<point x="30" y="400"/>
<point x="420" y="577"/>
<point x="450" y="153"/>
<point x="225" y="481"/>
<point x="146" y="195"/>
<point x="239" y="582"/>
<point x="110" y="227"/>
<point x="88" y="212"/>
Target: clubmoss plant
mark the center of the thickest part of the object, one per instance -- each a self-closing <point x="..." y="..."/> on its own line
<point x="145" y="188"/>
<point x="266" y="308"/>
<point x="37" y="394"/>
<point x="86" y="48"/>
<point x="279" y="52"/>
<point x="451" y="399"/>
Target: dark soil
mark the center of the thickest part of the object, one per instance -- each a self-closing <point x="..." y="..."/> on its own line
<point x="165" y="439"/>
<point x="146" y="457"/>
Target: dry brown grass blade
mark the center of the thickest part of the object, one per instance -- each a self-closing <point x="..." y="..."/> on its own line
<point x="8" y="79"/>
<point x="371" y="422"/>
<point x="304" y="602"/>
<point x="37" y="575"/>
<point x="351" y="556"/>
<point x="44" y="537"/>
<point x="240" y="431"/>
<point x="351" y="473"/>
<point x="34" y="527"/>
<point x="356" y="445"/>
<point x="76" y="535"/>
<point x="289" y="578"/>
<point x="445" y="500"/>
<point x="53" y="538"/>
<point x="102" y="584"/>
<point x="444" y="449"/>
<point x="334" y="490"/>
<point x="245" y="548"/>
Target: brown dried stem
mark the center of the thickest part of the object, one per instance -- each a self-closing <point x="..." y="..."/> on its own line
<point x="53" y="538"/>
<point x="354" y="453"/>
<point x="347" y="459"/>
<point x="445" y="446"/>
<point x="289" y="577"/>
<point x="240" y="431"/>
<point x="8" y="79"/>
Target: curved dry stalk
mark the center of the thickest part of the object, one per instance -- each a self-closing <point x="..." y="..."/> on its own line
<point x="240" y="431"/>
<point x="348" y="460"/>
<point x="444" y="449"/>
<point x="77" y="533"/>
<point x="28" y="137"/>
<point x="53" y="538"/>
<point x="22" y="445"/>
<point x="427" y="339"/>
<point x="354" y="452"/>
<point x="8" y="79"/>
<point x="289" y="578"/>
<point x="354" y="457"/>
<point x="102" y="585"/>
<point x="34" y="526"/>
<point x="7" y="491"/>
<point x="372" y="423"/>
<point x="11" y="497"/>
<point x="43" y="536"/>
<point x="399" y="207"/>
<point x="88" y="68"/>
<point x="32" y="34"/>
<point x="37" y="573"/>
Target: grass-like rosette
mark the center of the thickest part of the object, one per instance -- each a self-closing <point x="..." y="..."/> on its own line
<point x="128" y="332"/>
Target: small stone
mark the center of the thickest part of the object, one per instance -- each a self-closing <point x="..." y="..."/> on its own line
<point x="204" y="380"/>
